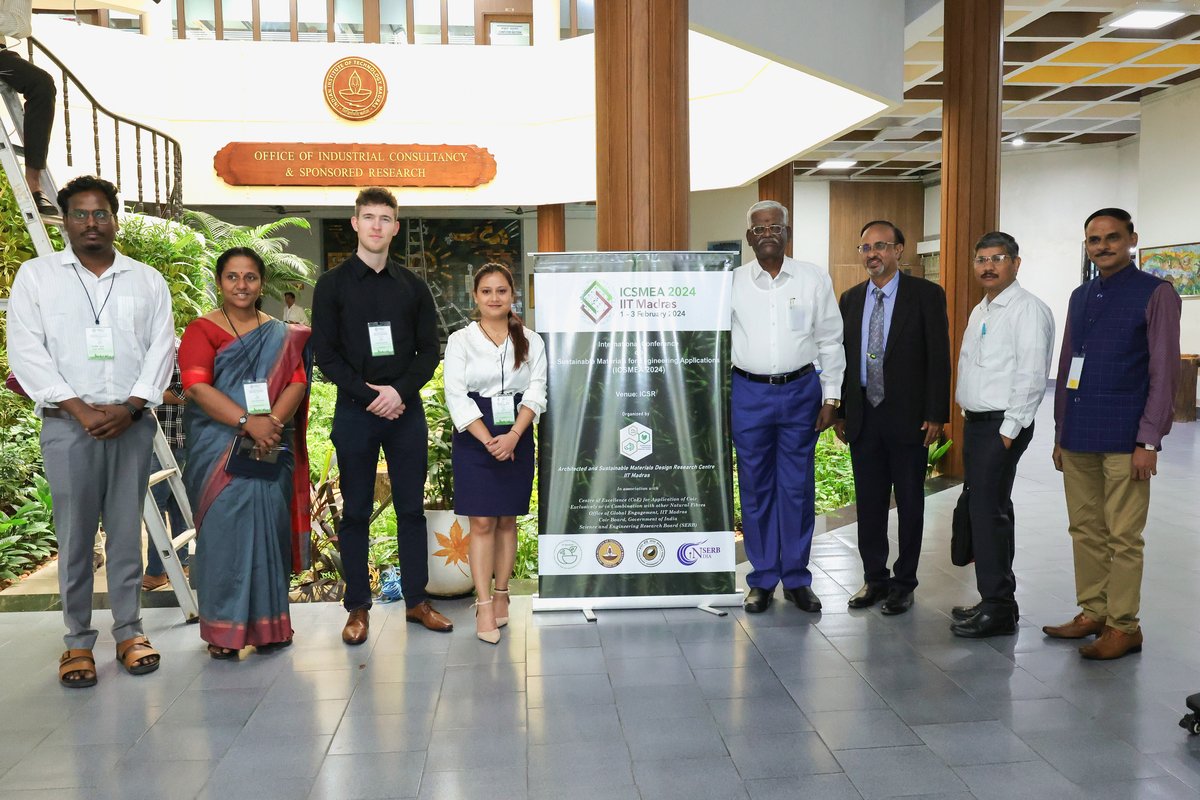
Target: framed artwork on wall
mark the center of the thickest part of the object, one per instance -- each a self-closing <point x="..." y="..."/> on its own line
<point x="1177" y="264"/>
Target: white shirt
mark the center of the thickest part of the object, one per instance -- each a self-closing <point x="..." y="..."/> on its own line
<point x="783" y="324"/>
<point x="49" y="314"/>
<point x="294" y="313"/>
<point x="1004" y="366"/>
<point x="16" y="19"/>
<point x="474" y="363"/>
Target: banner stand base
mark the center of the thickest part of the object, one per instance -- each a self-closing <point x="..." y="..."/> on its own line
<point x="589" y="605"/>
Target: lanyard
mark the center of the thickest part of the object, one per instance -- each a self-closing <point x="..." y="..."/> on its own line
<point x="95" y="314"/>
<point x="503" y="356"/>
<point x="245" y="350"/>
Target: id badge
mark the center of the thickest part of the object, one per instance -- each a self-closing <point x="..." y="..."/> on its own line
<point x="795" y="316"/>
<point x="1075" y="373"/>
<point x="100" y="345"/>
<point x="257" y="400"/>
<point x="381" y="338"/>
<point x="503" y="409"/>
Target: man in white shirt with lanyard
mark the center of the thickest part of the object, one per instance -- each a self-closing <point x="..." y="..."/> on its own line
<point x="785" y="318"/>
<point x="1002" y="371"/>
<point x="91" y="339"/>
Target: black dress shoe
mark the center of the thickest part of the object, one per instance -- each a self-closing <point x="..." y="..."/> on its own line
<point x="898" y="601"/>
<point x="804" y="598"/>
<point x="757" y="600"/>
<point x="961" y="613"/>
<point x="988" y="622"/>
<point x="868" y="595"/>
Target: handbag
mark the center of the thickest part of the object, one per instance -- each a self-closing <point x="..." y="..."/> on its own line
<point x="243" y="463"/>
<point x="962" y="549"/>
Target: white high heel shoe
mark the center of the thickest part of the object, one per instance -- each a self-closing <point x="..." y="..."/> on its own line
<point x="492" y="636"/>
<point x="501" y="621"/>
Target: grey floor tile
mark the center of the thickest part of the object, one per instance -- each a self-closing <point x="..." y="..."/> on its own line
<point x="183" y="743"/>
<point x="921" y="707"/>
<point x="569" y="725"/>
<point x="313" y="719"/>
<point x="502" y="712"/>
<point x="578" y="766"/>
<point x="867" y="727"/>
<point x="383" y="733"/>
<point x="758" y="715"/>
<point x="674" y="739"/>
<point x="834" y="694"/>
<point x="304" y="687"/>
<point x="897" y="771"/>
<point x="605" y="792"/>
<point x="371" y="698"/>
<point x="825" y="787"/>
<point x="557" y="637"/>
<point x="464" y="749"/>
<point x="1002" y="685"/>
<point x="484" y="679"/>
<point x="257" y="787"/>
<point x="723" y="654"/>
<point x="276" y="756"/>
<point x="739" y="682"/>
<point x="569" y="690"/>
<point x="475" y="784"/>
<point x="161" y="780"/>
<point x="967" y="743"/>
<point x="808" y="663"/>
<point x="565" y="661"/>
<point x="652" y="671"/>
<point x="1163" y="788"/>
<point x="1088" y="756"/>
<point x="59" y="766"/>
<point x="1043" y="714"/>
<point x="1021" y="779"/>
<point x="213" y="707"/>
<point x="689" y="779"/>
<point x="780" y="755"/>
<point x="365" y="776"/>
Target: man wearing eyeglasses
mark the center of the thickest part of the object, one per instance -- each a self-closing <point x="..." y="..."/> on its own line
<point x="895" y="400"/>
<point x="1002" y="369"/>
<point x="785" y="319"/>
<point x="92" y="340"/>
<point x="1113" y="405"/>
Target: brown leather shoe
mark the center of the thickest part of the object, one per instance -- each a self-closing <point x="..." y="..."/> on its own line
<point x="1078" y="628"/>
<point x="425" y="614"/>
<point x="152" y="582"/>
<point x="357" y="626"/>
<point x="1113" y="644"/>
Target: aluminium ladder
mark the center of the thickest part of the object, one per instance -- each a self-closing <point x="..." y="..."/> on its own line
<point x="151" y="516"/>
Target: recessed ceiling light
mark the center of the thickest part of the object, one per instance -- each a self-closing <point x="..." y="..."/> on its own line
<point x="1018" y="142"/>
<point x="1147" y="16"/>
<point x="836" y="163"/>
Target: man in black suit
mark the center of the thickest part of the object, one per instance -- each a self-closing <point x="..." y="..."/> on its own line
<point x="895" y="399"/>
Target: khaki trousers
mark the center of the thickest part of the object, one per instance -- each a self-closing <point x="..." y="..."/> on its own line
<point x="1106" y="510"/>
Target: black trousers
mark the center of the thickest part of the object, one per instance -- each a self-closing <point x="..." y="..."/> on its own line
<point x="990" y="471"/>
<point x="39" y="91"/>
<point x="885" y="462"/>
<point x="358" y="435"/>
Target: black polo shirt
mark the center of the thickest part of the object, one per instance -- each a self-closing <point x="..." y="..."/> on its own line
<point x="351" y="296"/>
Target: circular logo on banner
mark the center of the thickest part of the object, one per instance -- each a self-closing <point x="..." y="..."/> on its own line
<point x="610" y="553"/>
<point x="566" y="555"/>
<point x="651" y="552"/>
<point x="355" y="89"/>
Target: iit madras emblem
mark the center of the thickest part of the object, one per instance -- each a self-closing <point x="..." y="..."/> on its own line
<point x="355" y="89"/>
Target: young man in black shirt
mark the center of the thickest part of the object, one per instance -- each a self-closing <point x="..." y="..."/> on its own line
<point x="375" y="336"/>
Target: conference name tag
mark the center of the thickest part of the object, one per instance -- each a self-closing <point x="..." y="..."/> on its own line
<point x="100" y="346"/>
<point x="503" y="409"/>
<point x="381" y="338"/>
<point x="257" y="399"/>
<point x="1075" y="373"/>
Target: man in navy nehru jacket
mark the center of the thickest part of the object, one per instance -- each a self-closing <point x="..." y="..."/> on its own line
<point x="1117" y="374"/>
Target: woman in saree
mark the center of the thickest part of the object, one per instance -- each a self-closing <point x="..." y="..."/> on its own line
<point x="245" y="375"/>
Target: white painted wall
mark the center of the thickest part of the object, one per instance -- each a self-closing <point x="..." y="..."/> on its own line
<point x="810" y="222"/>
<point x="720" y="215"/>
<point x="1167" y="177"/>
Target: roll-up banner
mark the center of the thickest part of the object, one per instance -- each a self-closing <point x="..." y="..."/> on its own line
<point x="634" y="484"/>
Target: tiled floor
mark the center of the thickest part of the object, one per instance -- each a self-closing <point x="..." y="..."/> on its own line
<point x="653" y="704"/>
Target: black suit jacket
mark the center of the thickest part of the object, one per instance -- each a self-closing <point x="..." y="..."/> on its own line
<point x="916" y="359"/>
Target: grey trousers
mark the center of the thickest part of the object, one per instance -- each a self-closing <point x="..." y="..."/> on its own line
<point x="90" y="481"/>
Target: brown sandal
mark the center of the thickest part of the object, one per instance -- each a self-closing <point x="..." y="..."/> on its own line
<point x="222" y="653"/>
<point x="134" y="653"/>
<point x="77" y="662"/>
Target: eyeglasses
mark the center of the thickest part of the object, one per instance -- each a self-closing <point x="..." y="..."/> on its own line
<point x="759" y="230"/>
<point x="878" y="247"/>
<point x="997" y="258"/>
<point x="101" y="216"/>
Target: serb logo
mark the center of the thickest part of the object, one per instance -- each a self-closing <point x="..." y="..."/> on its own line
<point x="355" y="89"/>
<point x="610" y="553"/>
<point x="596" y="301"/>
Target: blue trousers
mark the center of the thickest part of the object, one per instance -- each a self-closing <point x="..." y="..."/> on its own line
<point x="773" y="431"/>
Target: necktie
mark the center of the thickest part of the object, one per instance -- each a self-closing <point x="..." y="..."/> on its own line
<point x="875" y="351"/>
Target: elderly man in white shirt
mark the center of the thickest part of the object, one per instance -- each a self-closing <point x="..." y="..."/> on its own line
<point x="1002" y="371"/>
<point x="91" y="339"/>
<point x="785" y="318"/>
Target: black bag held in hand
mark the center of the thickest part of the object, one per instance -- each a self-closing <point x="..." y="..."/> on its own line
<point x="243" y="463"/>
<point x="962" y="550"/>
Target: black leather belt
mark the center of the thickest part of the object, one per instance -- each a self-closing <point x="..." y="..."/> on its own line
<point x="775" y="380"/>
<point x="983" y="416"/>
<point x="56" y="413"/>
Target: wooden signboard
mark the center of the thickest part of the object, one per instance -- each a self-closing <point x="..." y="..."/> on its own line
<point x="284" y="164"/>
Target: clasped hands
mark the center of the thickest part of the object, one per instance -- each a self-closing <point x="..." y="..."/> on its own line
<point x="501" y="447"/>
<point x="105" y="421"/>
<point x="266" y="432"/>
<point x="387" y="404"/>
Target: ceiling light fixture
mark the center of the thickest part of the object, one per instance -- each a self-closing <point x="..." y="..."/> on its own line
<point x="1147" y="15"/>
<point x="836" y="163"/>
<point x="1018" y="142"/>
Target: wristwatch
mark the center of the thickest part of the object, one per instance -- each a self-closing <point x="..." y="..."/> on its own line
<point x="133" y="410"/>
<point x="833" y="401"/>
<point x="1149" y="447"/>
<point x="242" y="420"/>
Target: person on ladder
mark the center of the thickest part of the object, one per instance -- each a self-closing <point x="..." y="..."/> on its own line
<point x="16" y="22"/>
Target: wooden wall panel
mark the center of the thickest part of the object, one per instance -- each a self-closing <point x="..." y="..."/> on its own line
<point x="971" y="115"/>
<point x="852" y="204"/>
<point x="551" y="228"/>
<point x="780" y="185"/>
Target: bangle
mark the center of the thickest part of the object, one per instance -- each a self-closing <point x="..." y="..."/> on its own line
<point x="275" y="419"/>
<point x="514" y="430"/>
